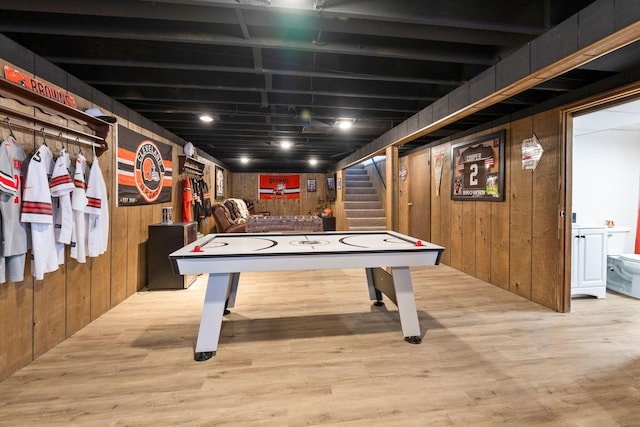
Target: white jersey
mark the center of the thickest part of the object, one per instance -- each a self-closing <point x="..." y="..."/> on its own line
<point x="61" y="186"/>
<point x="78" y="204"/>
<point x="14" y="232"/>
<point x="37" y="209"/>
<point x="97" y="212"/>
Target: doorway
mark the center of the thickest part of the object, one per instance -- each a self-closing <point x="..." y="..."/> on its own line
<point x="605" y="188"/>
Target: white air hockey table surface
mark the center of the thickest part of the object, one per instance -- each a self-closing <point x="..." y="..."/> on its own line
<point x="224" y="256"/>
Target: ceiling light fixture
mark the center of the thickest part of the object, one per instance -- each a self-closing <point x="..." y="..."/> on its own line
<point x="313" y="162"/>
<point x="244" y="160"/>
<point x="206" y="118"/>
<point x="344" y="123"/>
<point x="285" y="145"/>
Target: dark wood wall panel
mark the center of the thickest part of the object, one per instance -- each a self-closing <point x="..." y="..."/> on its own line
<point x="520" y="192"/>
<point x="546" y="210"/>
<point x="455" y="235"/>
<point x="483" y="241"/>
<point x="133" y="249"/>
<point x="78" y="294"/>
<point x="469" y="237"/>
<point x="500" y="230"/>
<point x="16" y="318"/>
<point x="403" y="198"/>
<point x="49" y="314"/>
<point x="420" y="195"/>
<point x="119" y="254"/>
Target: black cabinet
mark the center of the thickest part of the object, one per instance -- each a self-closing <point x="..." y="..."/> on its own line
<point x="163" y="240"/>
<point x="328" y="223"/>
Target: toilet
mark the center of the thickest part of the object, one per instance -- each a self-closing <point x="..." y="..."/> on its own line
<point x="623" y="270"/>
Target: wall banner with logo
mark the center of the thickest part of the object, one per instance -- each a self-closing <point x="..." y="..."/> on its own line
<point x="144" y="169"/>
<point x="279" y="187"/>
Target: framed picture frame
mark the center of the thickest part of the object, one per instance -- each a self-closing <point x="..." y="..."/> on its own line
<point x="219" y="194"/>
<point x="477" y="168"/>
<point x="331" y="185"/>
<point x="311" y="185"/>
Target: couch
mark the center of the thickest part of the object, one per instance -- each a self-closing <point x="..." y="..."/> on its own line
<point x="225" y="222"/>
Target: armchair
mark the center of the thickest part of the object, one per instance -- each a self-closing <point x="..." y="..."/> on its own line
<point x="225" y="222"/>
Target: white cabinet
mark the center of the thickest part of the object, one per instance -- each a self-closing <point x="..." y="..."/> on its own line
<point x="589" y="261"/>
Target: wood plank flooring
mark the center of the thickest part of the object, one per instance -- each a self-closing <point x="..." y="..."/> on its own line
<point x="307" y="348"/>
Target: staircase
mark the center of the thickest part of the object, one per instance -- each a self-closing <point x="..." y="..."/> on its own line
<point x="362" y="206"/>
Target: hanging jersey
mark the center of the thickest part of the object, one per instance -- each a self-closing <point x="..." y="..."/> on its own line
<point x="187" y="200"/>
<point x="97" y="210"/>
<point x="61" y="186"/>
<point x="78" y="204"/>
<point x="206" y="197"/>
<point x="14" y="232"/>
<point x="37" y="210"/>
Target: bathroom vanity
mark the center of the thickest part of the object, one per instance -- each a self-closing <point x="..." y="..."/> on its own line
<point x="589" y="261"/>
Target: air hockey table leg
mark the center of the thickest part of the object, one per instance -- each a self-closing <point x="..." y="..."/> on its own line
<point x="374" y="294"/>
<point x="211" y="318"/>
<point x="406" y="305"/>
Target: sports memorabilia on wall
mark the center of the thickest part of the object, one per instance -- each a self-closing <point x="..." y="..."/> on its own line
<point x="279" y="187"/>
<point x="477" y="168"/>
<point x="145" y="169"/>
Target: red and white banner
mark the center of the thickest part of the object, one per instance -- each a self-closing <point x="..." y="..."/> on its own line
<point x="279" y="187"/>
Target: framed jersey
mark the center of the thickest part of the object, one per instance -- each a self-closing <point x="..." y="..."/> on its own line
<point x="477" y="168"/>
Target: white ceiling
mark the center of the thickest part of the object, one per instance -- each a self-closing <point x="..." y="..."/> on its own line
<point x="621" y="118"/>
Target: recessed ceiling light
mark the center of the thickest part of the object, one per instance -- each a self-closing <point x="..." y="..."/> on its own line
<point x="244" y="160"/>
<point x="344" y="123"/>
<point x="286" y="145"/>
<point x="313" y="162"/>
<point x="206" y="118"/>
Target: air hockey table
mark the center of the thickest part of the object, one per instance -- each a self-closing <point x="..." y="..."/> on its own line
<point x="224" y="256"/>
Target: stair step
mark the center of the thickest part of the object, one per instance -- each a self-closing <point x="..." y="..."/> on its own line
<point x="373" y="204"/>
<point x="364" y="213"/>
<point x="358" y="184"/>
<point x="361" y="197"/>
<point x="357" y="178"/>
<point x="361" y="190"/>
<point x="367" y="222"/>
<point x="362" y="205"/>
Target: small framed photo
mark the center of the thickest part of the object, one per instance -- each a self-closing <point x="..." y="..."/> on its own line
<point x="219" y="183"/>
<point x="311" y="185"/>
<point x="331" y="186"/>
<point x="477" y="168"/>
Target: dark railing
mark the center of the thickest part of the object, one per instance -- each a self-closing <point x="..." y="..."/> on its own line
<point x="375" y="166"/>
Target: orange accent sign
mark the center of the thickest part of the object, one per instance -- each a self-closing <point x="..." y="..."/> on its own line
<point x="44" y="89"/>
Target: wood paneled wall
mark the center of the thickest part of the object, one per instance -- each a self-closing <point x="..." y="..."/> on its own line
<point x="37" y="315"/>
<point x="245" y="186"/>
<point x="513" y="244"/>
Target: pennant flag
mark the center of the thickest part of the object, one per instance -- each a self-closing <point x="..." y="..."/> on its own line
<point x="279" y="187"/>
<point x="145" y="169"/>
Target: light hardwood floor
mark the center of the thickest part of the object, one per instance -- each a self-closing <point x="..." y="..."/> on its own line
<point x="307" y="348"/>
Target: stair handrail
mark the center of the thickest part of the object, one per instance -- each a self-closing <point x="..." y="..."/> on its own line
<point x="375" y="166"/>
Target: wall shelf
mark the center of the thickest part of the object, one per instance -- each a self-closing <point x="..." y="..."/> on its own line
<point x="25" y="96"/>
<point x="190" y="165"/>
